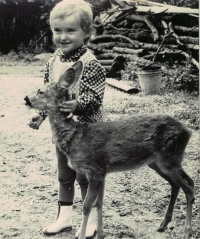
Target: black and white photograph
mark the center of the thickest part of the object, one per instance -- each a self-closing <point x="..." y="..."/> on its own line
<point x="99" y="119"/>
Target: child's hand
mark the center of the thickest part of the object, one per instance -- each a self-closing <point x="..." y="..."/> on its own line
<point x="68" y="106"/>
<point x="36" y="121"/>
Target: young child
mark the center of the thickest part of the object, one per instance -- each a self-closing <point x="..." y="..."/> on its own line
<point x="71" y="24"/>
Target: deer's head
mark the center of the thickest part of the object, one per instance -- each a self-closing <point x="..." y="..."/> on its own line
<point x="48" y="97"/>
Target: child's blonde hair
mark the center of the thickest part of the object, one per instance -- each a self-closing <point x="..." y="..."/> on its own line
<point x="68" y="7"/>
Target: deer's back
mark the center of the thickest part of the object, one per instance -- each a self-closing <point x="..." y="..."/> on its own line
<point x="126" y="144"/>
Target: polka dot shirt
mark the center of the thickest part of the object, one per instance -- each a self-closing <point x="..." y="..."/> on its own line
<point x="88" y="90"/>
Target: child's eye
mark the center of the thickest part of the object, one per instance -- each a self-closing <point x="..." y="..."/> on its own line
<point x="56" y="30"/>
<point x="71" y="30"/>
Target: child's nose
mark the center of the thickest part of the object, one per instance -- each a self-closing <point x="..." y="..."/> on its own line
<point x="63" y="36"/>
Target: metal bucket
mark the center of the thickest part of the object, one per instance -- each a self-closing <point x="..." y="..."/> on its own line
<point x="150" y="80"/>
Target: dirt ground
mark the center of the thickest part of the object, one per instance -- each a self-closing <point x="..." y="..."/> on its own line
<point x="134" y="204"/>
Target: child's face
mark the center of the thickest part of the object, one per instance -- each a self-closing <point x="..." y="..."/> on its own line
<point x="67" y="33"/>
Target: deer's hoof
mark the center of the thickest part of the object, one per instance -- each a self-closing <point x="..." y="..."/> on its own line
<point x="160" y="229"/>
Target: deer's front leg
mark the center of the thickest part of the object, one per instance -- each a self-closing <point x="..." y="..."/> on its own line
<point x="90" y="198"/>
<point x="99" y="205"/>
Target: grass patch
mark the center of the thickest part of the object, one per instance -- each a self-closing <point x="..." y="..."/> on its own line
<point x="180" y="105"/>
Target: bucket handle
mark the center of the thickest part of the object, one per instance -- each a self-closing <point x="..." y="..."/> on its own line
<point x="150" y="64"/>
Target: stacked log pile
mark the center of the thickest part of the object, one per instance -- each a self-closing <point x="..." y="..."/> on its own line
<point x="145" y="32"/>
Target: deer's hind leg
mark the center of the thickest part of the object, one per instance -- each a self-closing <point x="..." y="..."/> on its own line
<point x="94" y="188"/>
<point x="179" y="176"/>
<point x="174" y="193"/>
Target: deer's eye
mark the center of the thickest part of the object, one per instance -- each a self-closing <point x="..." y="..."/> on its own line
<point x="39" y="92"/>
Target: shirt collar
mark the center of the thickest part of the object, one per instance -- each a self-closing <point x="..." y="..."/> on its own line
<point x="72" y="57"/>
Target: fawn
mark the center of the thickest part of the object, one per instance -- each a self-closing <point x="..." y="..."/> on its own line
<point x="103" y="147"/>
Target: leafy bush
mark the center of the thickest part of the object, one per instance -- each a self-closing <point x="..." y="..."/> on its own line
<point x="181" y="77"/>
<point x="177" y="75"/>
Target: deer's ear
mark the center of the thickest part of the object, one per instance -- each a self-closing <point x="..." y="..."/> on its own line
<point x="67" y="78"/>
<point x="71" y="75"/>
<point x="78" y="66"/>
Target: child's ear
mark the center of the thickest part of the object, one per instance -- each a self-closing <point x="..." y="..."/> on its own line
<point x="67" y="78"/>
<point x="78" y="66"/>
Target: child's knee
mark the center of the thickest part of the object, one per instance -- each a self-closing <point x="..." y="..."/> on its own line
<point x="66" y="177"/>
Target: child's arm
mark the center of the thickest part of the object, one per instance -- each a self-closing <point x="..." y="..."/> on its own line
<point x="91" y="89"/>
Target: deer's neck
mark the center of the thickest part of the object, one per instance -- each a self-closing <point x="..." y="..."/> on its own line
<point x="63" y="132"/>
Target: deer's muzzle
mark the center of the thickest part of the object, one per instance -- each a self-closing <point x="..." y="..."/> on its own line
<point x="27" y="101"/>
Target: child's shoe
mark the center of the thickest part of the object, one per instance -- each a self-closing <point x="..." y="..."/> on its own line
<point x="63" y="222"/>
